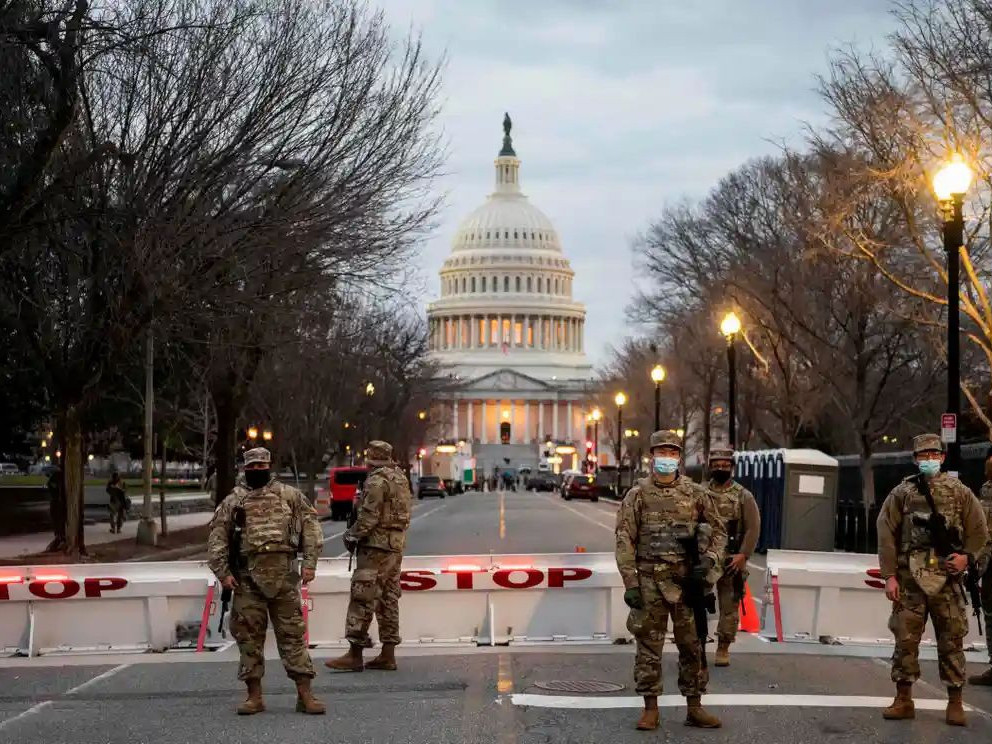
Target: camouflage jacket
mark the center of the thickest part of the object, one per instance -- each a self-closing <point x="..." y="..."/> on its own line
<point x="278" y="519"/>
<point x="736" y="504"/>
<point x="899" y="537"/>
<point x="384" y="510"/>
<point x="651" y="519"/>
<point x="985" y="497"/>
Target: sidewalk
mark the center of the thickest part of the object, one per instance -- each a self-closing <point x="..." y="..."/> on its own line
<point x="16" y="546"/>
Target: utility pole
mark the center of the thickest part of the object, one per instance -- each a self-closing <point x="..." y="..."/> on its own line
<point x="147" y="528"/>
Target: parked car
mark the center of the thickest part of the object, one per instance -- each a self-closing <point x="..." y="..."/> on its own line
<point x="430" y="485"/>
<point x="9" y="468"/>
<point x="579" y="486"/>
<point x="542" y="482"/>
<point x="343" y="485"/>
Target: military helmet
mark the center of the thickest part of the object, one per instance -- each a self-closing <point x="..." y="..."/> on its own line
<point x="379" y="452"/>
<point x="258" y="454"/>
<point x="722" y="453"/>
<point x="927" y="443"/>
<point x="665" y="438"/>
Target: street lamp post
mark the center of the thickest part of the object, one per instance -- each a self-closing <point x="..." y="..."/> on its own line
<point x="950" y="185"/>
<point x="730" y="327"/>
<point x="620" y="399"/>
<point x="596" y="416"/>
<point x="657" y="376"/>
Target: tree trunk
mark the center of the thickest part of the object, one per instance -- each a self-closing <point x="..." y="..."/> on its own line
<point x="161" y="486"/>
<point x="225" y="449"/>
<point x="72" y="472"/>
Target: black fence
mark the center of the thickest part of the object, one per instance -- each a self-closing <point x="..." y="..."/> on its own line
<point x="855" y="528"/>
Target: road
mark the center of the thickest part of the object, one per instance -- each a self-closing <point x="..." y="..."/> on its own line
<point x="510" y="522"/>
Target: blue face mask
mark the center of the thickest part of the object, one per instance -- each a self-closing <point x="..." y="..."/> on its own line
<point x="666" y="465"/>
<point x="929" y="468"/>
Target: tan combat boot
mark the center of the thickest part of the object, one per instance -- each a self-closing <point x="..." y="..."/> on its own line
<point x="649" y="716"/>
<point x="902" y="707"/>
<point x="386" y="660"/>
<point x="955" y="708"/>
<point x="350" y="662"/>
<point x="983" y="679"/>
<point x="697" y="716"/>
<point x="254" y="703"/>
<point x="305" y="701"/>
<point x="723" y="654"/>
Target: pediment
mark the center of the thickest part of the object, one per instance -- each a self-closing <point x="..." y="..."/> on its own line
<point x="505" y="381"/>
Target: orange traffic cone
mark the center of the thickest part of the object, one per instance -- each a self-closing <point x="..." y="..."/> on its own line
<point x="749" y="613"/>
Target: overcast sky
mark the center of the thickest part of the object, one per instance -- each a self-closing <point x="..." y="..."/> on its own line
<point x="620" y="107"/>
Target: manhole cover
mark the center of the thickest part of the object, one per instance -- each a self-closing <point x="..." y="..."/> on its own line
<point x="580" y="685"/>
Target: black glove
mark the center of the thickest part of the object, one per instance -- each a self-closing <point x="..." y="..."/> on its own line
<point x="633" y="599"/>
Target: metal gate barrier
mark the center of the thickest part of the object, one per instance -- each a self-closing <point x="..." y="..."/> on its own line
<point x="833" y="598"/>
<point x="470" y="599"/>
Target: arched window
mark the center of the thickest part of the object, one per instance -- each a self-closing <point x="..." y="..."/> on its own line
<point x="495" y="284"/>
<point x="506" y="284"/>
<point x="556" y="285"/>
<point x="530" y="284"/>
<point x="463" y="285"/>
<point x="518" y="283"/>
<point x="506" y="234"/>
<point x="514" y="234"/>
<point x="487" y="235"/>
<point x="473" y="284"/>
<point x="540" y="285"/>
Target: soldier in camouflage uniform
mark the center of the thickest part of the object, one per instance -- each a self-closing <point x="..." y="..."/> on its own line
<point x="919" y="584"/>
<point x="378" y="539"/>
<point x="985" y="570"/>
<point x="279" y="523"/>
<point x="656" y="513"/>
<point x="740" y="516"/>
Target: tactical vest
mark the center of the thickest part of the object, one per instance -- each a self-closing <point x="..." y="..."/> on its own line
<point x="665" y="515"/>
<point x="271" y="523"/>
<point x="396" y="508"/>
<point x="729" y="503"/>
<point x="985" y="497"/>
<point x="914" y="536"/>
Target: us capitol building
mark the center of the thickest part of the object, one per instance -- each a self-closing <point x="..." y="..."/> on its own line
<point x="508" y="336"/>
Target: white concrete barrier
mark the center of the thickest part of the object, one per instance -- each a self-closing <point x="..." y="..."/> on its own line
<point x="833" y="597"/>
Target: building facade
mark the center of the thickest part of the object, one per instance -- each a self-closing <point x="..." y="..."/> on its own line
<point x="507" y="334"/>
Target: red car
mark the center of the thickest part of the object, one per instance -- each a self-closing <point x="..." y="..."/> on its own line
<point x="579" y="486"/>
<point x="343" y="484"/>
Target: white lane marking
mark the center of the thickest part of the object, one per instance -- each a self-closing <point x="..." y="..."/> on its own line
<point x="722" y="701"/>
<point x="583" y="515"/>
<point x="99" y="678"/>
<point x="29" y="712"/>
<point x="415" y="519"/>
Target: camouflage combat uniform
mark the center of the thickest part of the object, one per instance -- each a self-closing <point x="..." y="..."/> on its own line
<point x="985" y="496"/>
<point x="279" y="523"/>
<point x="739" y="511"/>
<point x="903" y="551"/>
<point x="380" y="532"/>
<point x="650" y="521"/>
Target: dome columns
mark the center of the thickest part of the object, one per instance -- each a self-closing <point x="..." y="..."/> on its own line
<point x="468" y="331"/>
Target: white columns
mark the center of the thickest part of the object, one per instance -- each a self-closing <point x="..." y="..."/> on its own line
<point x="554" y="419"/>
<point x="526" y="421"/>
<point x="454" y="418"/>
<point x="470" y="436"/>
<point x="571" y="423"/>
<point x="484" y="438"/>
<point x="540" y="419"/>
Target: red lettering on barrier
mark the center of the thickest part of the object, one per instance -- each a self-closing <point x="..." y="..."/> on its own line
<point x="558" y="576"/>
<point x="416" y="581"/>
<point x="503" y="578"/>
<point x="39" y="588"/>
<point x="463" y="579"/>
<point x="95" y="587"/>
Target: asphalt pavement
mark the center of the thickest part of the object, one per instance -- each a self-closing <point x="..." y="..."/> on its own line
<point x="500" y="522"/>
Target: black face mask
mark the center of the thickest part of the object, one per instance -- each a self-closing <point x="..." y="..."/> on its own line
<point x="720" y="476"/>
<point x="256" y="478"/>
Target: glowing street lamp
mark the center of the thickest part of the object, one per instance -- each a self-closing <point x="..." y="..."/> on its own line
<point x="657" y="377"/>
<point x="620" y="399"/>
<point x="950" y="184"/>
<point x="253" y="432"/>
<point x="267" y="435"/>
<point x="730" y="327"/>
<point x="370" y="389"/>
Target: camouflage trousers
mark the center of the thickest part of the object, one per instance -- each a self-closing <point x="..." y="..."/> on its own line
<point x="117" y="515"/>
<point x="950" y="624"/>
<point x="250" y="613"/>
<point x="729" y="609"/>
<point x="375" y="590"/>
<point x="987" y="608"/>
<point x="648" y="626"/>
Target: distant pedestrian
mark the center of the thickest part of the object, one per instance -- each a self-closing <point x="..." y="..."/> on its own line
<point x="118" y="504"/>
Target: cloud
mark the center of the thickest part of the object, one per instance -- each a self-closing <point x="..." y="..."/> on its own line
<point x="620" y="108"/>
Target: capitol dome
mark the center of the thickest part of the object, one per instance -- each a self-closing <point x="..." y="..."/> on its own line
<point x="506" y="289"/>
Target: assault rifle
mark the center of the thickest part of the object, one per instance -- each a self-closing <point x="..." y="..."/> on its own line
<point x="946" y="542"/>
<point x="733" y="548"/>
<point x="695" y="593"/>
<point x="352" y="518"/>
<point x="234" y="536"/>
